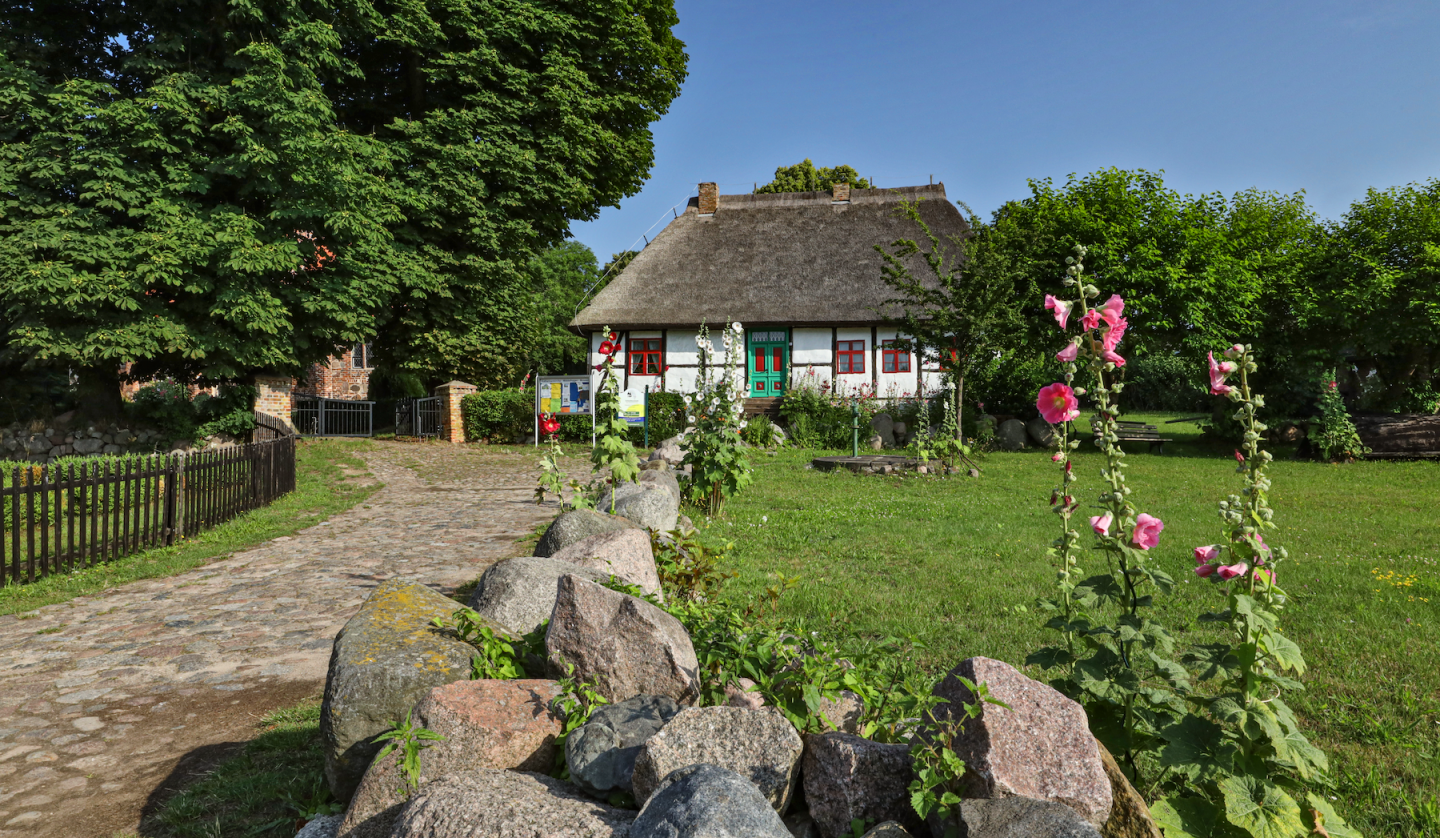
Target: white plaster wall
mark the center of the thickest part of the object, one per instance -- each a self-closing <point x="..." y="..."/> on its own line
<point x="798" y="374"/>
<point x="681" y="380"/>
<point x="895" y="384"/>
<point x="810" y="346"/>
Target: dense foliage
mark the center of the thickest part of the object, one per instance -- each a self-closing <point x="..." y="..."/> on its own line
<point x="167" y="406"/>
<point x="208" y="191"/>
<point x="806" y="177"/>
<point x="501" y="415"/>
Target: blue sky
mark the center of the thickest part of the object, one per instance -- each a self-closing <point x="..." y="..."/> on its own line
<point x="1329" y="97"/>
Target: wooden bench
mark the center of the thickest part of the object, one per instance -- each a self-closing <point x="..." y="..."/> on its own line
<point x="1135" y="432"/>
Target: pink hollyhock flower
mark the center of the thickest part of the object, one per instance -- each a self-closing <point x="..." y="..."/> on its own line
<point x="1218" y="387"/>
<point x="1068" y="354"/>
<point x="1057" y="403"/>
<point x="1109" y="355"/>
<point x="1230" y="571"/>
<point x="1061" y="309"/>
<point x="1235" y="352"/>
<point x="1332" y="385"/>
<point x="1239" y="458"/>
<point x="1264" y="575"/>
<point x="1264" y="548"/>
<point x="1101" y="523"/>
<point x="1114" y="334"/>
<point x="1208" y="553"/>
<point x="1112" y="309"/>
<point x="1147" y="531"/>
<point x="1057" y="457"/>
<point x="1090" y="320"/>
<point x="1204" y="570"/>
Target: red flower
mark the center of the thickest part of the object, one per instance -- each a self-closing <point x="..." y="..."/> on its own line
<point x="614" y="335"/>
<point x="1239" y="458"/>
<point x="607" y="348"/>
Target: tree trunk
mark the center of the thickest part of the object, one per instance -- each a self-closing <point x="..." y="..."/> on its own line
<point x="1400" y="433"/>
<point x="98" y="392"/>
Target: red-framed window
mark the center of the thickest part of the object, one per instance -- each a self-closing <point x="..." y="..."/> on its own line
<point x="849" y="356"/>
<point x="894" y="358"/>
<point x="645" y="356"/>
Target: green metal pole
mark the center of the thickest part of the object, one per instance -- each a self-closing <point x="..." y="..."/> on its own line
<point x="646" y="417"/>
<point x="854" y="430"/>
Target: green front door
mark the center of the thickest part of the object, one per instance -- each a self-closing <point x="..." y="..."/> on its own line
<point x="769" y="356"/>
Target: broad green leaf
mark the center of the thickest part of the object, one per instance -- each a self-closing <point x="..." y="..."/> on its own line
<point x="1196" y="748"/>
<point x="1191" y="817"/>
<point x="1285" y="651"/>
<point x="1328" y="818"/>
<point x="1260" y="808"/>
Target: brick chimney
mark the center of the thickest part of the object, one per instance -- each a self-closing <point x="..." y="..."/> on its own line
<point x="840" y="192"/>
<point x="709" y="198"/>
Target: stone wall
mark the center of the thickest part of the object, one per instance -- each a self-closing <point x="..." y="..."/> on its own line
<point x="57" y="439"/>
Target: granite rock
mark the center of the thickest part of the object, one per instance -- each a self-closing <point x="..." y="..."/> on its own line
<point x="884" y="427"/>
<point x="1011" y="435"/>
<point x="570" y="527"/>
<point x="888" y="829"/>
<point x="1129" y="816"/>
<point x="669" y="451"/>
<point x="1042" y="433"/>
<point x="519" y="593"/>
<point x="847" y="777"/>
<point x="601" y="753"/>
<point x="742" y="694"/>
<point x="1040" y="748"/>
<point x="707" y="801"/>
<point x="486" y="803"/>
<point x="1019" y="817"/>
<point x="625" y="553"/>
<point x="653" y="508"/>
<point x="320" y="826"/>
<point x="486" y="724"/>
<point x="626" y="646"/>
<point x="385" y="659"/>
<point x="759" y="745"/>
<point x="616" y="493"/>
<point x="664" y="479"/>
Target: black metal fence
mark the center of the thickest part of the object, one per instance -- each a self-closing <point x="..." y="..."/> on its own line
<point x="315" y="416"/>
<point x="62" y="518"/>
<point x="418" y="417"/>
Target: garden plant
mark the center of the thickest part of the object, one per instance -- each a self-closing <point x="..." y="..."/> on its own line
<point x="719" y="466"/>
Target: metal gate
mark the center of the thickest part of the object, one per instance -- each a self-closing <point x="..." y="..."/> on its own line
<point x="314" y="416"/>
<point x="418" y="417"/>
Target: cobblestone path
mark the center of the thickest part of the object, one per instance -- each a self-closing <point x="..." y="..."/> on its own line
<point x="103" y="697"/>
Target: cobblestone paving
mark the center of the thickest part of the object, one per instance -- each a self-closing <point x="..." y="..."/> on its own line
<point x="102" y="696"/>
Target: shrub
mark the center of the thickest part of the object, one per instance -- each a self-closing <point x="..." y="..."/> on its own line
<point x="166" y="406"/>
<point x="1333" y="435"/>
<point x="667" y="416"/>
<point x="759" y="432"/>
<point x="1165" y="382"/>
<point x="1008" y="384"/>
<point x="502" y="415"/>
<point x="232" y="412"/>
<point x="818" y="417"/>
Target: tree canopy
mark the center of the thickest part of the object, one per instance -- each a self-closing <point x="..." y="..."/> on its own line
<point x="805" y="177"/>
<point x="207" y="191"/>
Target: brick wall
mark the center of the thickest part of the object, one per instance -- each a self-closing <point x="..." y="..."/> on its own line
<point x="452" y="422"/>
<point x="274" y="396"/>
<point x="338" y="378"/>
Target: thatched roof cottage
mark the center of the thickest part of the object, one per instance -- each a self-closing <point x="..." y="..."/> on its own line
<point x="798" y="270"/>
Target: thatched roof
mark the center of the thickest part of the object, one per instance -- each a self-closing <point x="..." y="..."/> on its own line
<point x="794" y="258"/>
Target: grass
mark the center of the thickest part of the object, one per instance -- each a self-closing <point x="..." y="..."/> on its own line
<point x="959" y="563"/>
<point x="323" y="488"/>
<point x="274" y="783"/>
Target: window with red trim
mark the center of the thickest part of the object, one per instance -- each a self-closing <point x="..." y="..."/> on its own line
<point x="849" y="356"/>
<point x="645" y="356"/>
<point x="893" y="358"/>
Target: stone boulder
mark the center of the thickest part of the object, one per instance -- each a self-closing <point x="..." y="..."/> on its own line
<point x="624" y="553"/>
<point x="669" y="451"/>
<point x="626" y="646"/>
<point x="884" y="427"/>
<point x="507" y="804"/>
<point x="876" y="442"/>
<point x="618" y="492"/>
<point x="519" y="593"/>
<point x="601" y="753"/>
<point x="1018" y="817"/>
<point x="888" y="829"/>
<point x="664" y="479"/>
<point x="759" y="745"/>
<point x="847" y="777"/>
<point x="1041" y="747"/>
<point x="1042" y="433"/>
<point x="1129" y="816"/>
<point x="1011" y="435"/>
<point x="320" y="826"/>
<point x="386" y="658"/>
<point x="653" y="507"/>
<point x="576" y="524"/>
<point x="707" y="801"/>
<point x="486" y="724"/>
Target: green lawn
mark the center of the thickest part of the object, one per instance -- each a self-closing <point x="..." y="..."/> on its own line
<point x="330" y="478"/>
<point x="959" y="563"/>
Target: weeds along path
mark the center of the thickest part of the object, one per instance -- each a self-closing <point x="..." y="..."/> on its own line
<point x="110" y="702"/>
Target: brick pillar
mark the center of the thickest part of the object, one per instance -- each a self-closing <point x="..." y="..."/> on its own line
<point x="452" y="422"/>
<point x="274" y="396"/>
<point x="840" y="192"/>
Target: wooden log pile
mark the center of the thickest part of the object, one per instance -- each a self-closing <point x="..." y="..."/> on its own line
<point x="1400" y="436"/>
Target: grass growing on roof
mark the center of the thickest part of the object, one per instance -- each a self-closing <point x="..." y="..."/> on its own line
<point x="960" y="562"/>
<point x="322" y="489"/>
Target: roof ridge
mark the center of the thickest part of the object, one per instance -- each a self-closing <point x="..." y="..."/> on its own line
<point x="748" y="200"/>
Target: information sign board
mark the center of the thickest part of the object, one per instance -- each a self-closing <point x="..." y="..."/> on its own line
<point x="632" y="405"/>
<point x="563" y="395"/>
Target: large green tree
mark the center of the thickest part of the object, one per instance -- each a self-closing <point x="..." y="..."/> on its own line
<point x="806" y="177"/>
<point x="560" y="277"/>
<point x="208" y="189"/>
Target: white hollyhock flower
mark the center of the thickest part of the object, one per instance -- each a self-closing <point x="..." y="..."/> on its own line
<point x="739" y="330"/>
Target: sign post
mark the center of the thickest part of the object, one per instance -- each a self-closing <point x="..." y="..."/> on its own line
<point x="564" y="395"/>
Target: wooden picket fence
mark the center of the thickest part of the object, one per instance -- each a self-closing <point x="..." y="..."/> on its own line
<point x="60" y="518"/>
